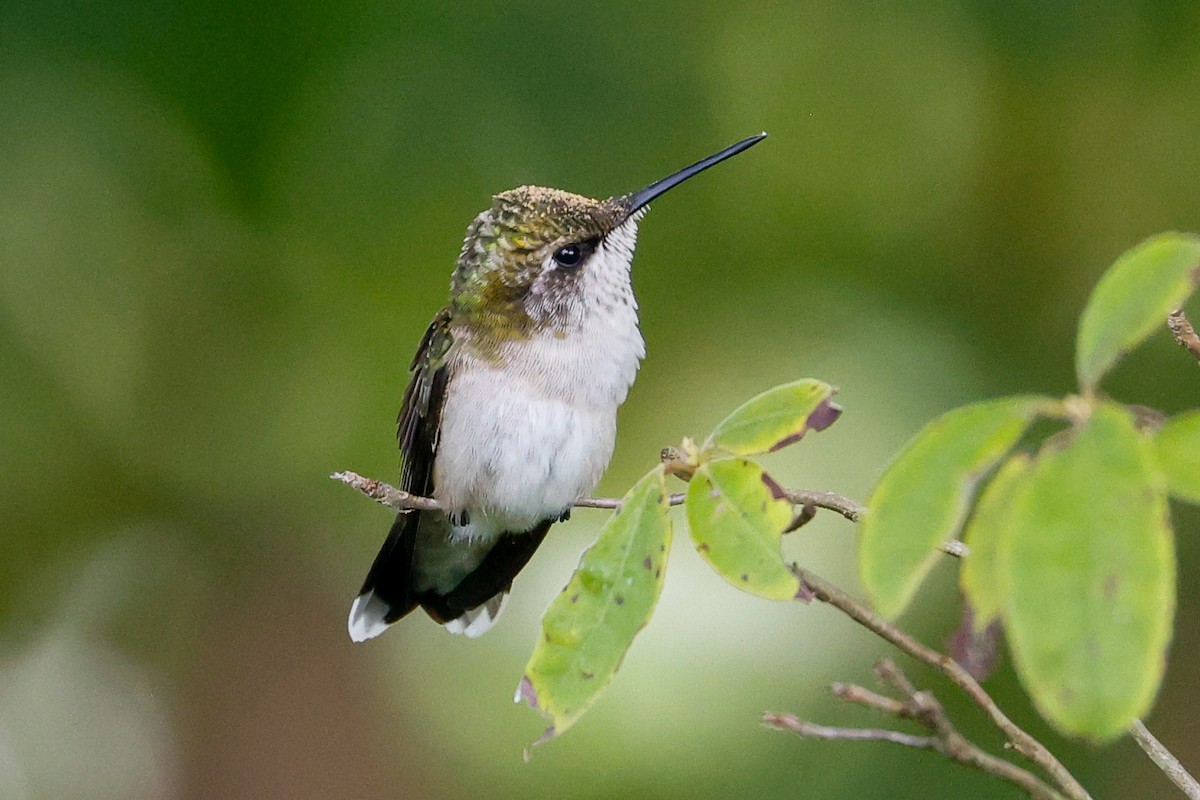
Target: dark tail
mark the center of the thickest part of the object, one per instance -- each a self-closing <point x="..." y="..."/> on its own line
<point x="470" y="608"/>
<point x="387" y="593"/>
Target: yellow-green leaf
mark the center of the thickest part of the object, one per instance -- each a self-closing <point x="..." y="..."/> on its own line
<point x="1133" y="299"/>
<point x="1177" y="446"/>
<point x="737" y="515"/>
<point x="588" y="628"/>
<point x="1089" y="558"/>
<point x="923" y="497"/>
<point x="776" y="418"/>
<point x="980" y="578"/>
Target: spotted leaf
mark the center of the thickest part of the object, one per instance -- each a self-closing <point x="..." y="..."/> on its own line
<point x="737" y="514"/>
<point x="776" y="418"/>
<point x="590" y="625"/>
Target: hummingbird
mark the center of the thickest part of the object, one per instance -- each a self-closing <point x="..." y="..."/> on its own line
<point x="510" y="414"/>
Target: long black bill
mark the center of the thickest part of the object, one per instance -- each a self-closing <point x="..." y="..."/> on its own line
<point x="640" y="199"/>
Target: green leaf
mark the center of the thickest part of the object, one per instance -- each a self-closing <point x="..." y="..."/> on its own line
<point x="1090" y="566"/>
<point x="776" y="418"/>
<point x="1132" y="300"/>
<point x="922" y="498"/>
<point x="588" y="628"/>
<point x="981" y="580"/>
<point x="1177" y="446"/>
<point x="737" y="514"/>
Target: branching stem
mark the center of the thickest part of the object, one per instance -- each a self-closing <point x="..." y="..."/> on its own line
<point x="820" y="589"/>
<point x="1021" y="741"/>
<point x="925" y="710"/>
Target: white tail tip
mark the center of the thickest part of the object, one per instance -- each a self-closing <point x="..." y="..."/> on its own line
<point x="366" y="617"/>
<point x="368" y="612"/>
<point x="479" y="620"/>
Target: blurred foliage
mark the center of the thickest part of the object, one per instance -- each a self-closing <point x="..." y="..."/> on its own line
<point x="223" y="228"/>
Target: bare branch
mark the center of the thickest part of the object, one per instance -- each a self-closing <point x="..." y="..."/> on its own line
<point x="1021" y="741"/>
<point x="827" y="500"/>
<point x="923" y="708"/>
<point x="1165" y="760"/>
<point x="401" y="501"/>
<point x="927" y="711"/>
<point x="891" y="673"/>
<point x="386" y="494"/>
<point x="865" y="697"/>
<point x="811" y="730"/>
<point x="613" y="503"/>
<point x="1184" y="333"/>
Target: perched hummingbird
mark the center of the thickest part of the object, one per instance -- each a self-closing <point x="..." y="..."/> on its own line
<point x="510" y="415"/>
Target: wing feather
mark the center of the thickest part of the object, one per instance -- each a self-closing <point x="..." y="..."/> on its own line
<point x="387" y="593"/>
<point x="420" y="415"/>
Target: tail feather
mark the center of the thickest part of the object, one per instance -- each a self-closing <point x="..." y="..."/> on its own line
<point x="387" y="593"/>
<point x="477" y="621"/>
<point x="492" y="577"/>
<point x="367" y="617"/>
<point x="470" y="608"/>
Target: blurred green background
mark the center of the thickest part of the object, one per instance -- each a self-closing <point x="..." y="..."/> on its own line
<point x="224" y="226"/>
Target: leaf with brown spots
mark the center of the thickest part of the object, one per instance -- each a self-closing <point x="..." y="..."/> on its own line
<point x="737" y="518"/>
<point x="590" y="625"/>
<point x="776" y="418"/>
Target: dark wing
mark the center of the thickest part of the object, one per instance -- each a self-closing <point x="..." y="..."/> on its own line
<point x="421" y="410"/>
<point x="390" y="577"/>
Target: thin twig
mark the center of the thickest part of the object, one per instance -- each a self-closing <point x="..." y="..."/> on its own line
<point x="811" y="730"/>
<point x="615" y="502"/>
<point x="1184" y="333"/>
<point x="385" y="494"/>
<point x="946" y="740"/>
<point x="1021" y="741"/>
<point x="1165" y="760"/>
<point x="925" y="708"/>
<point x="401" y="501"/>
<point x="890" y="672"/>
<point x="852" y="693"/>
<point x="827" y="500"/>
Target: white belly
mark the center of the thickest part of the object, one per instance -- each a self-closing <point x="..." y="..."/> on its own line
<point x="521" y="442"/>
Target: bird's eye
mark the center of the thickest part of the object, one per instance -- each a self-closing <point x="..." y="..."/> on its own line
<point x="569" y="256"/>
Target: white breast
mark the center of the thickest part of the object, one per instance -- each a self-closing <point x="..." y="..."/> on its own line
<point x="525" y="436"/>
